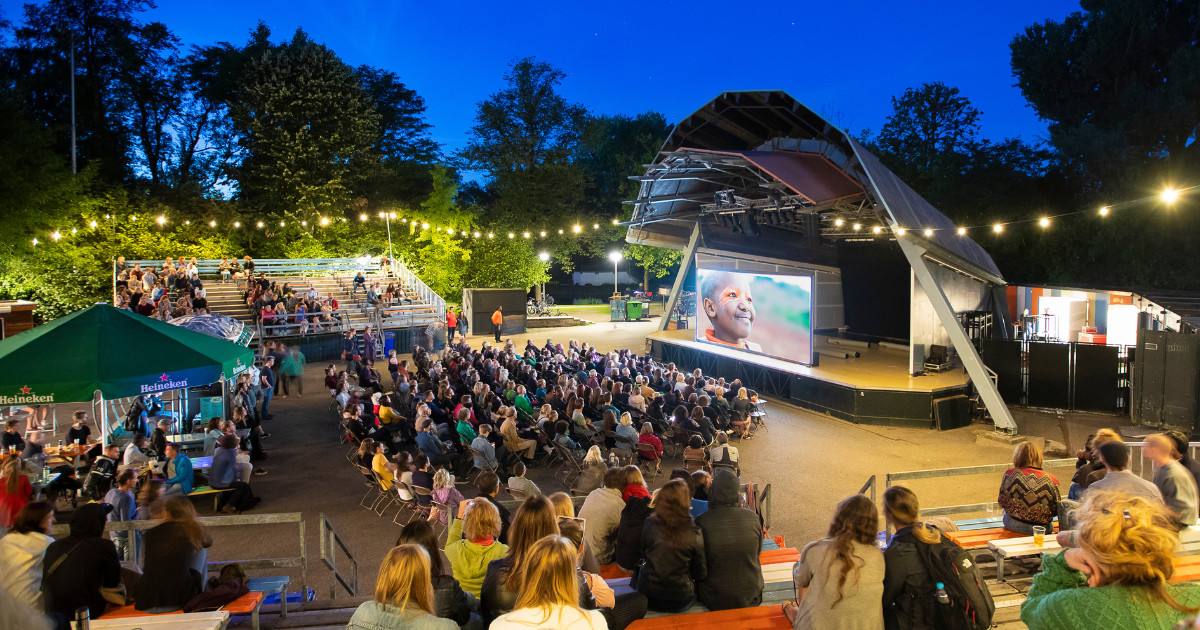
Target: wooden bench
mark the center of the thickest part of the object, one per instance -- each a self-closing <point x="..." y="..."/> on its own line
<point x="216" y="620"/>
<point x="200" y="491"/>
<point x="248" y="604"/>
<point x="787" y="555"/>
<point x="1022" y="547"/>
<point x="757" y="618"/>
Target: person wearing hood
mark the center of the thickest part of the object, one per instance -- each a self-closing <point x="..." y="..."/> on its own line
<point x="21" y="553"/>
<point x="78" y="566"/>
<point x="732" y="540"/>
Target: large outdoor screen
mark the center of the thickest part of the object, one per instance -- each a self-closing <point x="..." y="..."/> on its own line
<point x="760" y="313"/>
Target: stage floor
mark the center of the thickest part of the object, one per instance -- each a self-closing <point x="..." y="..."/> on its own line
<point x="877" y="368"/>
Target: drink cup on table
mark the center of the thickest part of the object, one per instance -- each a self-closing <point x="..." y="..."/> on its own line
<point x="1039" y="535"/>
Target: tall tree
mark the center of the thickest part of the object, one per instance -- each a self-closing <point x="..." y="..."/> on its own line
<point x="1119" y="84"/>
<point x="403" y="143"/>
<point x="928" y="134"/>
<point x="523" y="139"/>
<point x="307" y="127"/>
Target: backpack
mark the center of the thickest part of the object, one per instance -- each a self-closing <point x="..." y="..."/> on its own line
<point x="970" y="605"/>
<point x="133" y="417"/>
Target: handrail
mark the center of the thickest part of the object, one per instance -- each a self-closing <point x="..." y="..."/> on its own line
<point x="763" y="504"/>
<point x="329" y="557"/>
<point x="870" y="485"/>
<point x="301" y="561"/>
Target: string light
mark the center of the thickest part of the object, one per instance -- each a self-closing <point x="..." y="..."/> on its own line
<point x="93" y="224"/>
<point x="133" y="218"/>
<point x="595" y="226"/>
<point x="543" y="233"/>
<point x="877" y="229"/>
<point x="928" y="232"/>
<point x="490" y="235"/>
<point x="343" y="219"/>
<point x="424" y="226"/>
<point x="404" y="220"/>
<point x="161" y="220"/>
<point x="237" y="224"/>
<point x="900" y="231"/>
<point x="56" y="235"/>
<point x="260" y="224"/>
<point x="560" y="231"/>
<point x="838" y="223"/>
<point x="857" y="227"/>
<point x="526" y="235"/>
<point x="35" y="240"/>
<point x="391" y="215"/>
<point x="1170" y="195"/>
<point x="324" y="221"/>
<point x="616" y="222"/>
<point x="281" y="224"/>
<point x="362" y="217"/>
<point x="214" y="224"/>
<point x="511" y="235"/>
<point x="576" y="229"/>
<point x="304" y="223"/>
<point x="187" y="222"/>
<point x="962" y="231"/>
<point x="1104" y="211"/>
<point x="1044" y="222"/>
<point x="73" y="230"/>
<point x="998" y="228"/>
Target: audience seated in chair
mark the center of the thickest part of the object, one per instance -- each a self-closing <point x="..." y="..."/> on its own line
<point x="404" y="595"/>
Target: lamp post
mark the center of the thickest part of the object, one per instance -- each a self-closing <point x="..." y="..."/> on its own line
<point x="541" y="289"/>
<point x="615" y="257"/>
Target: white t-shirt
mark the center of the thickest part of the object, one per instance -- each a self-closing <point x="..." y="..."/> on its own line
<point x="559" y="618"/>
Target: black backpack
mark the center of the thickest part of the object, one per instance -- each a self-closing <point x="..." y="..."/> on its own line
<point x="970" y="605"/>
<point x="133" y="417"/>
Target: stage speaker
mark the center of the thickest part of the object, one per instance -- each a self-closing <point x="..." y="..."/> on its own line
<point x="951" y="412"/>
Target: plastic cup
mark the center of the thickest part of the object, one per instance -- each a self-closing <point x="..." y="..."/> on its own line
<point x="1039" y="535"/>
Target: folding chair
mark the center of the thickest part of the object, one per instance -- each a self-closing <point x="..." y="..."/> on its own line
<point x="409" y="504"/>
<point x="517" y="495"/>
<point x="572" y="466"/>
<point x="387" y="498"/>
<point x="647" y="454"/>
<point x="424" y="500"/>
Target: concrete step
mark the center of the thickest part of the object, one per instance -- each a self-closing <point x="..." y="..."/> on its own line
<point x="330" y="613"/>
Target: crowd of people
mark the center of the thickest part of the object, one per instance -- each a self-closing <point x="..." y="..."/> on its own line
<point x="170" y="291"/>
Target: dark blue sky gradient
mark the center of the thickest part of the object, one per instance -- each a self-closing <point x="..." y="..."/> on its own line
<point x="844" y="59"/>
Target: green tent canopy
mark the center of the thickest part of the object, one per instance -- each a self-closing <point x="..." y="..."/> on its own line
<point x="116" y="352"/>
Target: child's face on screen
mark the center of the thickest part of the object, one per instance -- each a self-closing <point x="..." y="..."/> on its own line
<point x="731" y="308"/>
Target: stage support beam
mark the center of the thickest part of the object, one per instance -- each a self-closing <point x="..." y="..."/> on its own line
<point x="958" y="337"/>
<point x="689" y="259"/>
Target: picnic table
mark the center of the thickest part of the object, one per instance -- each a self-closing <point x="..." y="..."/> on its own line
<point x="216" y="620"/>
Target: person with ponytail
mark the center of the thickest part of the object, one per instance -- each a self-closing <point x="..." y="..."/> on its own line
<point x="548" y="598"/>
<point x="839" y="579"/>
<point x="906" y="580"/>
<point x="1125" y="552"/>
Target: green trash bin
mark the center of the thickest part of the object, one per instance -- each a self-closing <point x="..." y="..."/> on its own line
<point x="633" y="310"/>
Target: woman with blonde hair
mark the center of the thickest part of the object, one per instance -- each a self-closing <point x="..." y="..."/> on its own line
<point x="906" y="580"/>
<point x="1125" y="553"/>
<point x="446" y="494"/>
<point x="534" y="520"/>
<point x="403" y="595"/>
<point x="839" y="579"/>
<point x="548" y="596"/>
<point x="176" y="553"/>
<point x="471" y="543"/>
<point x="1028" y="495"/>
<point x="592" y="476"/>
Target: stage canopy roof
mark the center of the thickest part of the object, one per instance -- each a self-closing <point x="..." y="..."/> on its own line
<point x="755" y="162"/>
<point x="114" y="351"/>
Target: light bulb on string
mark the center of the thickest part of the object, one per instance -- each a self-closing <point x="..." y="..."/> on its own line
<point x="576" y="229"/>
<point x="543" y="233"/>
<point x="93" y="224"/>
<point x="616" y="222"/>
<point x="928" y="232"/>
<point x="214" y="224"/>
<point x="962" y="231"/>
<point x="424" y="226"/>
<point x="877" y="229"/>
<point x="324" y="221"/>
<point x="1104" y="211"/>
<point x="404" y="220"/>
<point x="55" y="235"/>
<point x="857" y="227"/>
<point x="35" y="240"/>
<point x="161" y="220"/>
<point x="1170" y="195"/>
<point x="526" y="234"/>
<point x="490" y="235"/>
<point x="511" y="235"/>
<point x="900" y="231"/>
<point x="304" y="223"/>
<point x="237" y="224"/>
<point x="1044" y="222"/>
<point x="595" y="226"/>
<point x="260" y="224"/>
<point x="281" y="224"/>
<point x="476" y="234"/>
<point x="343" y="219"/>
<point x="560" y="231"/>
<point x="838" y="223"/>
<point x="391" y="215"/>
<point x="73" y="230"/>
<point x="998" y="228"/>
<point x="187" y="222"/>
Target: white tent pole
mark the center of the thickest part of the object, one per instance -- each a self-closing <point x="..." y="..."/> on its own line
<point x="101" y="420"/>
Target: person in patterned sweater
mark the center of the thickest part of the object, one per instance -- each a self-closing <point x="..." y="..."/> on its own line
<point x="1028" y="495"/>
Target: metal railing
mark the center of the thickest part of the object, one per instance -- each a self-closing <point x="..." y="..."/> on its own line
<point x="252" y="564"/>
<point x="870" y="485"/>
<point x="330" y="542"/>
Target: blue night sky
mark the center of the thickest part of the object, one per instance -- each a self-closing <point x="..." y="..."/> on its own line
<point x="843" y="59"/>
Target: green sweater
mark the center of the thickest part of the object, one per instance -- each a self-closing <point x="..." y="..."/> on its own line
<point x="469" y="561"/>
<point x="1060" y="599"/>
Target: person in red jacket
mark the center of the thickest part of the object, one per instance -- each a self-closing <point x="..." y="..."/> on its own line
<point x="451" y="325"/>
<point x="497" y="319"/>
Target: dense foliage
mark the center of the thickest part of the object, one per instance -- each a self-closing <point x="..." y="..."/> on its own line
<point x="220" y="137"/>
